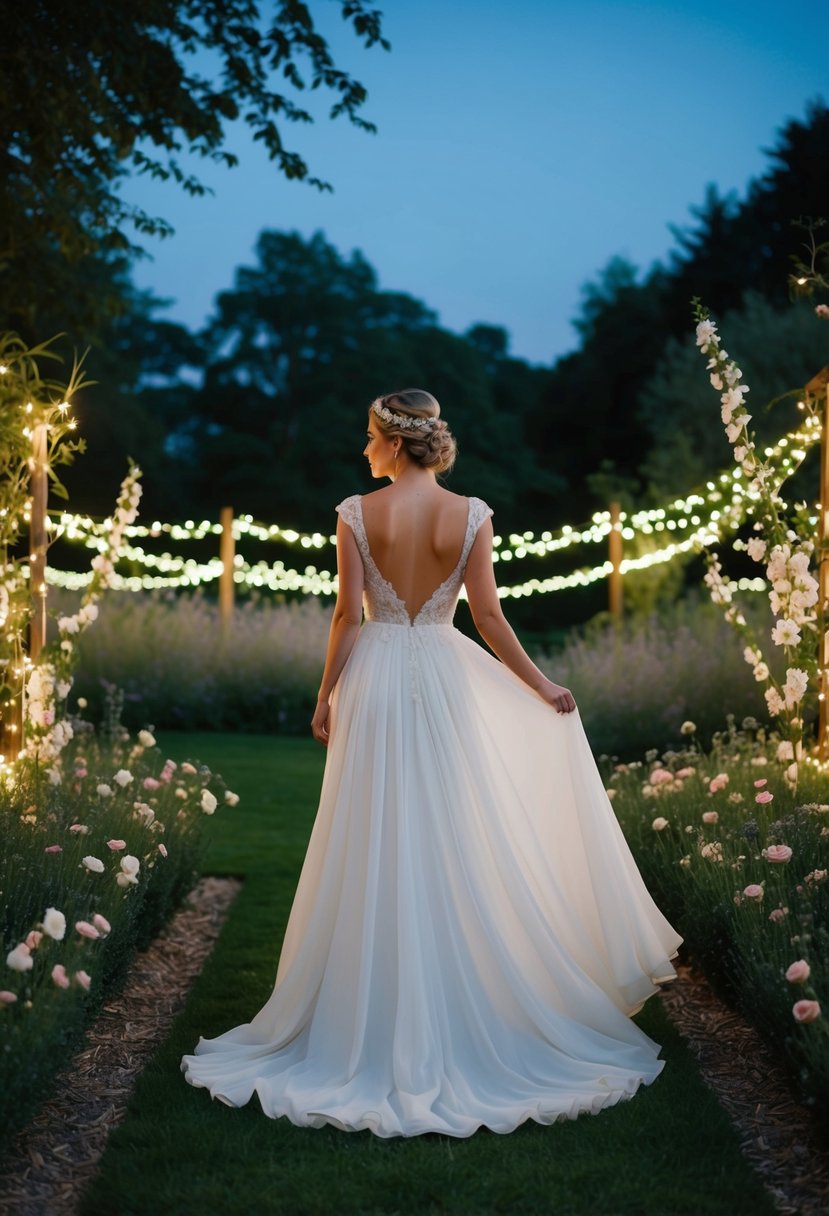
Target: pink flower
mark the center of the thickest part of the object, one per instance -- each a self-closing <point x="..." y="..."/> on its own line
<point x="764" y="796"/>
<point x="718" y="783"/>
<point x="7" y="998"/>
<point x="150" y="783"/>
<point x="798" y="972"/>
<point x="83" y="979"/>
<point x="59" y="975"/>
<point x="77" y="827"/>
<point x="116" y="844"/>
<point x="686" y="772"/>
<point x="53" y="848"/>
<point x="33" y="938"/>
<point x="47" y="717"/>
<point x="86" y="929"/>
<point x="80" y="772"/>
<point x="754" y="891"/>
<point x="162" y="850"/>
<point x="188" y="768"/>
<point x="806" y="1011"/>
<point x="660" y="775"/>
<point x="777" y="915"/>
<point x="101" y="922"/>
<point x="758" y="785"/>
<point x="777" y="853"/>
<point x="710" y="816"/>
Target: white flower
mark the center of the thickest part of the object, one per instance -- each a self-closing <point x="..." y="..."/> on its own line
<point x="785" y="633"/>
<point x="124" y="880"/>
<point x="208" y="802"/>
<point x="130" y="864"/>
<point x="711" y="850"/>
<point x="123" y="777"/>
<point x="756" y="549"/>
<point x="706" y="332"/>
<point x="761" y="672"/>
<point x="93" y="863"/>
<point x="230" y="798"/>
<point x="20" y="958"/>
<point x="90" y="612"/>
<point x="54" y="923"/>
<point x="146" y="739"/>
<point x="68" y="624"/>
<point x="687" y="728"/>
<point x="659" y="824"/>
<point x="716" y="382"/>
<point x="752" y="655"/>
<point x="104" y="790"/>
<point x="774" y="701"/>
<point x="797" y="681"/>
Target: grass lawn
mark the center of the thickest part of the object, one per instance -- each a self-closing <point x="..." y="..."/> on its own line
<point x="669" y="1151"/>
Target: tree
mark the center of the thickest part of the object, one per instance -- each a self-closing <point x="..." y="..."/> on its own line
<point x="94" y="91"/>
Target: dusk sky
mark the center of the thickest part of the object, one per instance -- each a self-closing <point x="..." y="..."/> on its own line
<point x="520" y="146"/>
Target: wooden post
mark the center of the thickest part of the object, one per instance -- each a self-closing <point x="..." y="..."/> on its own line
<point x="823" y="578"/>
<point x="37" y="542"/>
<point x="227" y="552"/>
<point x="615" y="553"/>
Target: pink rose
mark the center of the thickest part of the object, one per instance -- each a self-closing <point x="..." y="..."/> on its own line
<point x="764" y="796"/>
<point x="777" y="915"/>
<point x="710" y="816"/>
<point x="33" y="939"/>
<point x="116" y="844"/>
<point x="59" y="975"/>
<point x="86" y="929"/>
<point x="101" y="922"/>
<point x="83" y="979"/>
<point x="754" y="891"/>
<point x="777" y="853"/>
<point x="53" y="848"/>
<point x="806" y="1011"/>
<point x="150" y="783"/>
<point x="718" y="783"/>
<point x="798" y="972"/>
<point x="660" y="775"/>
<point x="7" y="998"/>
<point x="162" y="850"/>
<point x="758" y="785"/>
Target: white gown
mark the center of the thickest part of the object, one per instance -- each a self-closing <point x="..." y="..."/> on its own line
<point x="470" y="933"/>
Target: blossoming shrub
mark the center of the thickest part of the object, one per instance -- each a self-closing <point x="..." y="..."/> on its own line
<point x="737" y="855"/>
<point x="92" y="868"/>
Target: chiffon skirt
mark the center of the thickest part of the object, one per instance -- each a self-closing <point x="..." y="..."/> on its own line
<point x="470" y="933"/>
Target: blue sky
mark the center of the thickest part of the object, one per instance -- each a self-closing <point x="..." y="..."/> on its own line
<point x="521" y="145"/>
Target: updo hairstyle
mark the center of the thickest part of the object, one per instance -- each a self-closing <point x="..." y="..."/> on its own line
<point x="433" y="448"/>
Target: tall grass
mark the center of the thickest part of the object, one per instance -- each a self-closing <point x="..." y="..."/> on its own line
<point x="635" y="684"/>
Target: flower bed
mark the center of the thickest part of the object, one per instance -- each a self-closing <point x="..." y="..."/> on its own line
<point x="734" y="846"/>
<point x="93" y="866"/>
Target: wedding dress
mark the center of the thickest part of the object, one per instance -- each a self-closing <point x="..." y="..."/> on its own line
<point x="470" y="933"/>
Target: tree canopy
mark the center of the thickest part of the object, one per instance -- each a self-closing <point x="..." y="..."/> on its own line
<point x="95" y="91"/>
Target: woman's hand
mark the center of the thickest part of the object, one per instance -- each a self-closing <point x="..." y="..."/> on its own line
<point x="319" y="722"/>
<point x="561" y="699"/>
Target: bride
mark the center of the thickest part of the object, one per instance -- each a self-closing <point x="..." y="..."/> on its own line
<point x="470" y="934"/>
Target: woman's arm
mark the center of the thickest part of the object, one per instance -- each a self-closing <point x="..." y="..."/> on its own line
<point x="496" y="630"/>
<point x="345" y="624"/>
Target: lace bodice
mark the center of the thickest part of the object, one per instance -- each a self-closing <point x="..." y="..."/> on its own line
<point x="380" y="600"/>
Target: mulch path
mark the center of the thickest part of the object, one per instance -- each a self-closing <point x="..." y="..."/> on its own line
<point x="53" y="1159"/>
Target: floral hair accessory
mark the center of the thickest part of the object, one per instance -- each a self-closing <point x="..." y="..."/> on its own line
<point x="402" y="420"/>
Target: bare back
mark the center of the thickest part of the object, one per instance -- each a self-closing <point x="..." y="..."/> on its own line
<point x="415" y="538"/>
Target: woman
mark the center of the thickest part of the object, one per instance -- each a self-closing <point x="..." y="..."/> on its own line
<point x="470" y="933"/>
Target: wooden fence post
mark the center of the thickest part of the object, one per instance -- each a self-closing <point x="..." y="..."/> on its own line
<point x="227" y="553"/>
<point x="37" y="541"/>
<point x="821" y="381"/>
<point x="615" y="554"/>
